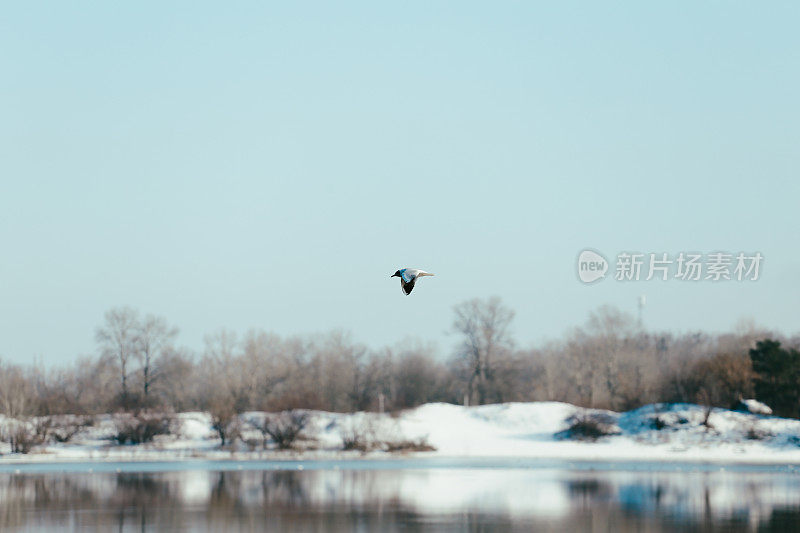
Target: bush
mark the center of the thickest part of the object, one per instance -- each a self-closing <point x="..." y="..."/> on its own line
<point x="252" y="444"/>
<point x="355" y="439"/>
<point x="142" y="427"/>
<point x="42" y="428"/>
<point x="419" y="445"/>
<point x="361" y="437"/>
<point x="24" y="434"/>
<point x="284" y="428"/>
<point x="370" y="434"/>
<point x="67" y="426"/>
<point x="589" y="427"/>
<point x="667" y="421"/>
<point x="658" y="423"/>
<point x="21" y="435"/>
<point x="754" y="433"/>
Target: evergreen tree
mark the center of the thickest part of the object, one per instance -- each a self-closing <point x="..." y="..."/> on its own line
<point x="777" y="381"/>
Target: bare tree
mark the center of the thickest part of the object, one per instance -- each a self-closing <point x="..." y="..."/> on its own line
<point x="222" y="369"/>
<point x="264" y="363"/>
<point x="336" y="375"/>
<point x="178" y="380"/>
<point x="117" y="338"/>
<point x="484" y="326"/>
<point x="607" y="363"/>
<point x="17" y="396"/>
<point x="152" y="338"/>
<point x="415" y="376"/>
<point x="92" y="383"/>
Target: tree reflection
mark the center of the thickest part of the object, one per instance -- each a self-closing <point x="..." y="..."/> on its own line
<point x="389" y="500"/>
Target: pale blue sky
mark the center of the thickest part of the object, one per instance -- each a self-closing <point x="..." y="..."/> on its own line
<point x="270" y="166"/>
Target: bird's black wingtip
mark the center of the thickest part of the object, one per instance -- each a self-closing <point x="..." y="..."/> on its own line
<point x="408" y="287"/>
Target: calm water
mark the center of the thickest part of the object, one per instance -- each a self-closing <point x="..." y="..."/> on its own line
<point x="414" y="495"/>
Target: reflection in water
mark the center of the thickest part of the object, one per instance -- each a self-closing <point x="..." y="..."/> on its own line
<point x="476" y="499"/>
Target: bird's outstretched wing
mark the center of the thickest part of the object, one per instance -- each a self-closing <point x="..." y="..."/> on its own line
<point x="407" y="287"/>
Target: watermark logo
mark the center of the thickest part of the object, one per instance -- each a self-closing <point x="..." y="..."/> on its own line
<point x="684" y="266"/>
<point x="591" y="266"/>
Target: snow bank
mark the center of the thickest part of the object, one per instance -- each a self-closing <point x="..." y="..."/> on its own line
<point x="663" y="432"/>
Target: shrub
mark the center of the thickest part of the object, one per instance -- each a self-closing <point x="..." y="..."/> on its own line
<point x="65" y="433"/>
<point x="284" y="428"/>
<point x="355" y="439"/>
<point x="361" y="437"/>
<point x="65" y="427"/>
<point x="419" y="445"/>
<point x="658" y="423"/>
<point x="21" y="435"/>
<point x="24" y="434"/>
<point x="141" y="428"/>
<point x="252" y="444"/>
<point x="370" y="435"/>
<point x="42" y="428"/>
<point x="754" y="433"/>
<point x="589" y="427"/>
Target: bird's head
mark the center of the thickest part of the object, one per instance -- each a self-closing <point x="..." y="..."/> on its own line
<point x="396" y="274"/>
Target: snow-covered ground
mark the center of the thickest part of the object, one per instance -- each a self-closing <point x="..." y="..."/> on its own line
<point x="664" y="432"/>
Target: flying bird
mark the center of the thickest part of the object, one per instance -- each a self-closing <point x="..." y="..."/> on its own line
<point x="408" y="276"/>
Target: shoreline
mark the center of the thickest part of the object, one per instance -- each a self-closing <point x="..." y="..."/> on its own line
<point x="427" y="459"/>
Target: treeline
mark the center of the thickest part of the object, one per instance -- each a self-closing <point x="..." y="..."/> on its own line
<point x="609" y="362"/>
